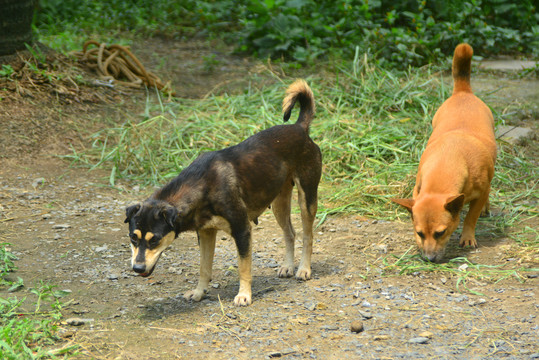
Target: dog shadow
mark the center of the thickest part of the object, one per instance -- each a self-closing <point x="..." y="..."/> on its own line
<point x="489" y="234"/>
<point x="224" y="288"/>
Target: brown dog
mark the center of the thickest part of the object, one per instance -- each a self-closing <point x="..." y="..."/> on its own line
<point x="227" y="189"/>
<point x="456" y="167"/>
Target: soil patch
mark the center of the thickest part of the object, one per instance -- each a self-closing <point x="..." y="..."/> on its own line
<point x="66" y="226"/>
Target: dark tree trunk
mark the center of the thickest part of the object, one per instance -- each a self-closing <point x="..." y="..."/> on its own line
<point x="15" y="25"/>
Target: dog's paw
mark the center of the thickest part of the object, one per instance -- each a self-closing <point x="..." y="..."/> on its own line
<point x="286" y="271"/>
<point x="242" y="299"/>
<point x="195" y="295"/>
<point x="467" y="241"/>
<point x="303" y="273"/>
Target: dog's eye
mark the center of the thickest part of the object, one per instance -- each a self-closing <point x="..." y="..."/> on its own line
<point x="154" y="241"/>
<point x="421" y="235"/>
<point x="439" y="234"/>
<point x="134" y="239"/>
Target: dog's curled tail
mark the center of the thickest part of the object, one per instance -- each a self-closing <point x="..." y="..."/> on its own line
<point x="299" y="91"/>
<point x="462" y="68"/>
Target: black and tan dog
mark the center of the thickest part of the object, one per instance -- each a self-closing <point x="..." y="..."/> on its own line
<point x="229" y="188"/>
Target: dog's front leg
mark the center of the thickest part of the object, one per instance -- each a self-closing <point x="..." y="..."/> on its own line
<point x="206" y="240"/>
<point x="243" y="242"/>
<point x="468" y="227"/>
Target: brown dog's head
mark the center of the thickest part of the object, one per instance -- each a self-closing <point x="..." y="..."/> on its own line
<point x="435" y="218"/>
<point x="152" y="227"/>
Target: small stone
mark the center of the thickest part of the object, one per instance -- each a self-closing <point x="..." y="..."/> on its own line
<point x="365" y="314"/>
<point x="426" y="334"/>
<point x="113" y="277"/>
<point x="514" y="134"/>
<point x="477" y="302"/>
<point x="38" y="182"/>
<point x="61" y="226"/>
<point x="77" y="321"/>
<point x="101" y="248"/>
<point x="419" y="340"/>
<point x="356" y="326"/>
<point x="329" y="327"/>
<point x="66" y="334"/>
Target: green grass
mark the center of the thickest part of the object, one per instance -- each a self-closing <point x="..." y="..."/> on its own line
<point x="28" y="324"/>
<point x="460" y="267"/>
<point x="371" y="125"/>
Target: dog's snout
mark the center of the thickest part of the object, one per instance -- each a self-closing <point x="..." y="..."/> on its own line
<point x="431" y="257"/>
<point x="139" y="268"/>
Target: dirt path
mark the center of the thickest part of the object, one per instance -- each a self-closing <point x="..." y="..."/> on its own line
<point x="67" y="227"/>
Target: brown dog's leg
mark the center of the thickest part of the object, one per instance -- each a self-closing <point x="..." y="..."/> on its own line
<point x="207" y="249"/>
<point x="468" y="228"/>
<point x="308" y="206"/>
<point x="281" y="210"/>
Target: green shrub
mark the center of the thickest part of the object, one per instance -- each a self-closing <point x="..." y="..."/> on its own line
<point x="401" y="33"/>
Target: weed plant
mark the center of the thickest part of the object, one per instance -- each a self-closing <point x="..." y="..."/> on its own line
<point x="24" y="333"/>
<point x="401" y="33"/>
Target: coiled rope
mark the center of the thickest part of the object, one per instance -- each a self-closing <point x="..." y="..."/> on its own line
<point x="117" y="62"/>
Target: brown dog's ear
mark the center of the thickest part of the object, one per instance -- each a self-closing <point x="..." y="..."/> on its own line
<point x="454" y="204"/>
<point x="130" y="211"/>
<point x="407" y="203"/>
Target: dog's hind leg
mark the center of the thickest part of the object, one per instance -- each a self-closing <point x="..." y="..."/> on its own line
<point x="206" y="239"/>
<point x="281" y="210"/>
<point x="307" y="199"/>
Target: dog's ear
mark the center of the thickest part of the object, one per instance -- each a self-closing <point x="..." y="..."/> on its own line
<point x="171" y="215"/>
<point x="454" y="204"/>
<point x="406" y="203"/>
<point x="130" y="211"/>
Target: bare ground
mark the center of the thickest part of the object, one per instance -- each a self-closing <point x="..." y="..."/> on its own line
<point x="66" y="226"/>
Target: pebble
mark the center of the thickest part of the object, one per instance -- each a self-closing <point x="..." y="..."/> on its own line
<point x="113" y="277"/>
<point x="61" y="226"/>
<point x="101" y="248"/>
<point x="78" y="321"/>
<point x="329" y="327"/>
<point x="477" y="302"/>
<point x="419" y="340"/>
<point x="356" y="326"/>
<point x="365" y="314"/>
<point x="38" y="182"/>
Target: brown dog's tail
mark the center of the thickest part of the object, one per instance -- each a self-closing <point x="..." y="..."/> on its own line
<point x="299" y="91"/>
<point x="462" y="68"/>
